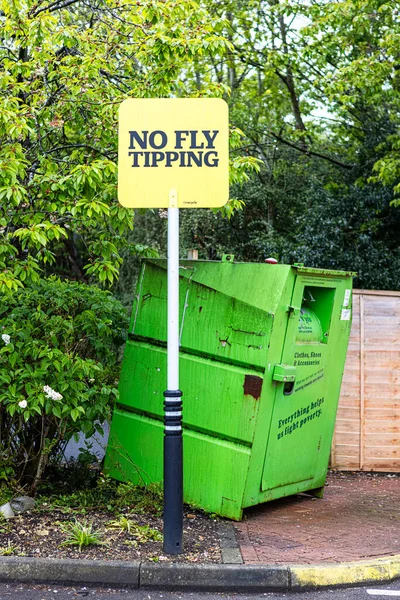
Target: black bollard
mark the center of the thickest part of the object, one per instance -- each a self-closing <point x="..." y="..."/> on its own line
<point x="173" y="472"/>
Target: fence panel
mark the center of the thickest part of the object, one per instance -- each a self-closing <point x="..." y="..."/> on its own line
<point x="367" y="433"/>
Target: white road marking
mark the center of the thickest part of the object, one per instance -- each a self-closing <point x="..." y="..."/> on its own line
<point x="384" y="592"/>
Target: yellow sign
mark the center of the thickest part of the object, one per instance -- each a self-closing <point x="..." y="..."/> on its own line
<point x="173" y="152"/>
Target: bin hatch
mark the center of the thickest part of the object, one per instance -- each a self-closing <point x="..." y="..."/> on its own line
<point x="300" y="413"/>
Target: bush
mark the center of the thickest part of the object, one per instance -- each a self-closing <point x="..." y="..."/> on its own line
<point x="59" y="354"/>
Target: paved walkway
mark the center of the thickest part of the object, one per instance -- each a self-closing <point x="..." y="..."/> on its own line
<point x="358" y="518"/>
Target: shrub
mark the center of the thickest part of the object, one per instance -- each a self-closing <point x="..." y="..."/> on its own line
<point x="59" y="352"/>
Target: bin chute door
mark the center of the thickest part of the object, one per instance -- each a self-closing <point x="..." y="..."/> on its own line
<point x="299" y="413"/>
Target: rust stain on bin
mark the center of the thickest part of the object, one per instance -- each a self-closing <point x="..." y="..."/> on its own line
<point x="252" y="386"/>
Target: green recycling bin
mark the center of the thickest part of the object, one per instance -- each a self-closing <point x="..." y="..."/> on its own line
<point x="262" y="352"/>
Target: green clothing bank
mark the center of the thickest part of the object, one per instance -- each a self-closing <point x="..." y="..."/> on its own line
<point x="262" y="352"/>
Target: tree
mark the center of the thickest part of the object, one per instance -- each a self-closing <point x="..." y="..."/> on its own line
<point x="311" y="72"/>
<point x="315" y="90"/>
<point x="354" y="47"/>
<point x="66" y="66"/>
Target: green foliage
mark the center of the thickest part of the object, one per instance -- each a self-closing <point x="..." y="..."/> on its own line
<point x="145" y="533"/>
<point x="81" y="535"/>
<point x="6" y="493"/>
<point x="315" y="104"/>
<point x="58" y="368"/>
<point x="360" y="232"/>
<point x="305" y="210"/>
<point x="354" y="45"/>
<point x="122" y="523"/>
<point x="307" y="83"/>
<point x="101" y="493"/>
<point x="314" y="220"/>
<point x="148" y="499"/>
<point x="8" y="550"/>
<point x="142" y="534"/>
<point x="65" y="69"/>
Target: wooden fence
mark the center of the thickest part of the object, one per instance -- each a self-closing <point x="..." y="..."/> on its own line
<point x="367" y="433"/>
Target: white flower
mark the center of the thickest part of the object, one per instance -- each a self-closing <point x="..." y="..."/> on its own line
<point x="6" y="338"/>
<point x="52" y="394"/>
<point x="23" y="404"/>
<point x="91" y="380"/>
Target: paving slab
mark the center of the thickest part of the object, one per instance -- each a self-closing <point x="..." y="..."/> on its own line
<point x="358" y="519"/>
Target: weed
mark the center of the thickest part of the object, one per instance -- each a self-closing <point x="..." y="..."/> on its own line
<point x="122" y="523"/>
<point x="8" y="550"/>
<point x="81" y="534"/>
<point x="141" y="533"/>
<point x="145" y="533"/>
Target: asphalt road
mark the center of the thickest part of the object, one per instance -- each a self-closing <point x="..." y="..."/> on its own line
<point x="40" y="592"/>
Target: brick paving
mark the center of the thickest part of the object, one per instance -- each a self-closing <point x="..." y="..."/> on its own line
<point x="358" y="518"/>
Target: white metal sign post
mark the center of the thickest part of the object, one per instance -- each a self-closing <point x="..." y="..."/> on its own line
<point x="173" y="153"/>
